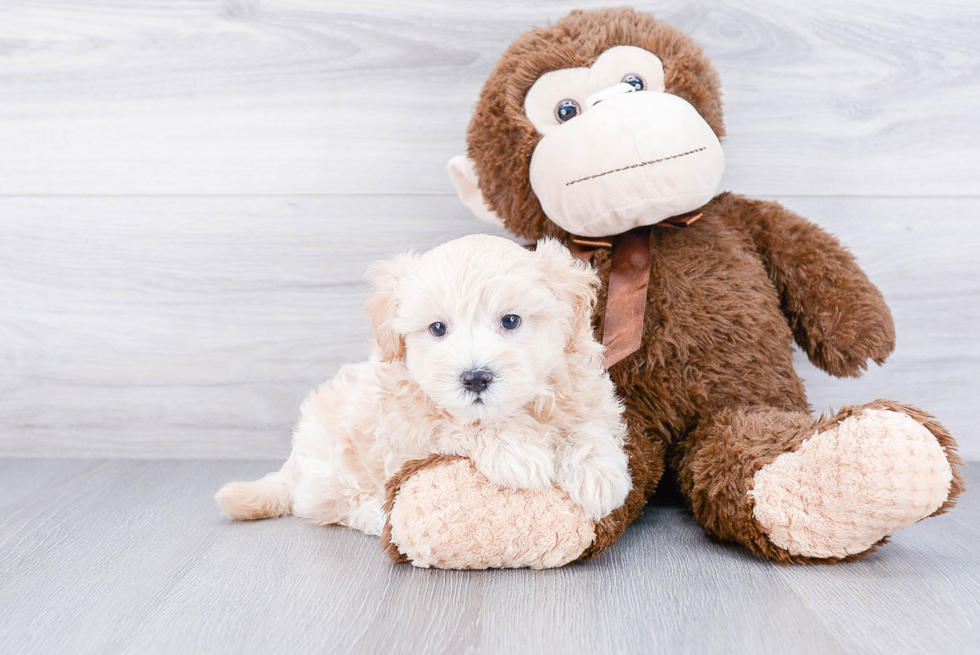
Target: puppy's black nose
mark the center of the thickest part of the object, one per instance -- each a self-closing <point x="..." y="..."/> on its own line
<point x="476" y="381"/>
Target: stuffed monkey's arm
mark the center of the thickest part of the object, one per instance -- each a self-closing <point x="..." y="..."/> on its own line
<point x="839" y="318"/>
<point x="442" y="512"/>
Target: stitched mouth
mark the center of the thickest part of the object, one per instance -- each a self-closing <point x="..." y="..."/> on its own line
<point x="645" y="163"/>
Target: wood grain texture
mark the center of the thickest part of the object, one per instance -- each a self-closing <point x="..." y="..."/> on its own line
<point x="310" y="97"/>
<point x="193" y="327"/>
<point x="130" y="556"/>
<point x="187" y="327"/>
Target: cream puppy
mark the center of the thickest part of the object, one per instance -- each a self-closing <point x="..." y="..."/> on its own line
<point x="482" y="349"/>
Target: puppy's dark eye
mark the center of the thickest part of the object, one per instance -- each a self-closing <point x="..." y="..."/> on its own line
<point x="567" y="110"/>
<point x="635" y="81"/>
<point x="510" y="322"/>
<point x="437" y="329"/>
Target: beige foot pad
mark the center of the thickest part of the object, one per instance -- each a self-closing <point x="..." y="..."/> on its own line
<point x="451" y="517"/>
<point x="850" y="486"/>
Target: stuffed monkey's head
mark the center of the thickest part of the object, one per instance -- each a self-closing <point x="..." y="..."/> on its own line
<point x="603" y="122"/>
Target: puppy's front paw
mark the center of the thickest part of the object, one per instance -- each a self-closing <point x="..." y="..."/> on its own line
<point x="520" y="468"/>
<point x="599" y="483"/>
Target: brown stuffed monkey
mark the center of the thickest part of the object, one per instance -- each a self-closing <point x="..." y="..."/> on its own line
<point x="603" y="130"/>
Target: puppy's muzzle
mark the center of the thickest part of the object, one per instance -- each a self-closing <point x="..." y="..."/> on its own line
<point x="476" y="380"/>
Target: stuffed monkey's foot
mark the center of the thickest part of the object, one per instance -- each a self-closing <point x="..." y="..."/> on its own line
<point x="803" y="490"/>
<point x="852" y="484"/>
<point x="443" y="513"/>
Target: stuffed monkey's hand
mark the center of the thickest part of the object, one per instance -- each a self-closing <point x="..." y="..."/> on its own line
<point x="838" y="317"/>
<point x="442" y="512"/>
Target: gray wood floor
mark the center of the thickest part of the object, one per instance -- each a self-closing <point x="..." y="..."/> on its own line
<point x="129" y="556"/>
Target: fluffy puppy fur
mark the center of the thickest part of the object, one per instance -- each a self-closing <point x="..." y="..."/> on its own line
<point x="548" y="415"/>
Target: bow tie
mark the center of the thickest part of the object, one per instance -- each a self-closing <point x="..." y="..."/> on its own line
<point x="629" y="279"/>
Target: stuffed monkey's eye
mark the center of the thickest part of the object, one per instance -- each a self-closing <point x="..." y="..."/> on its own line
<point x="437" y="329"/>
<point x="510" y="322"/>
<point x="635" y="81"/>
<point x="567" y="110"/>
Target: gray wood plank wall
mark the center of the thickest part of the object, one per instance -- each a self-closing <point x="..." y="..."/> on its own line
<point x="190" y="192"/>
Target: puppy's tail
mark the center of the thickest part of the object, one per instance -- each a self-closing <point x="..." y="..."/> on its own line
<point x="266" y="498"/>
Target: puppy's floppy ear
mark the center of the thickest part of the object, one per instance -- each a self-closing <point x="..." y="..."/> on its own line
<point x="575" y="283"/>
<point x="386" y="276"/>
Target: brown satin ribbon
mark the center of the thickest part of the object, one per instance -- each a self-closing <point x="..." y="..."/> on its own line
<point x="629" y="279"/>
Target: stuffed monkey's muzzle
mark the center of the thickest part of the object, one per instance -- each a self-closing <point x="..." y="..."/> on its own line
<point x="629" y="160"/>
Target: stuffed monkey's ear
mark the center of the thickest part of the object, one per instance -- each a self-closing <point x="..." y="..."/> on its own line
<point x="575" y="283"/>
<point x="463" y="174"/>
<point x="382" y="306"/>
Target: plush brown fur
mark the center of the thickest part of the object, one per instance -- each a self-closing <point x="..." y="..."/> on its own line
<point x="716" y="474"/>
<point x="712" y="392"/>
<point x="501" y="138"/>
